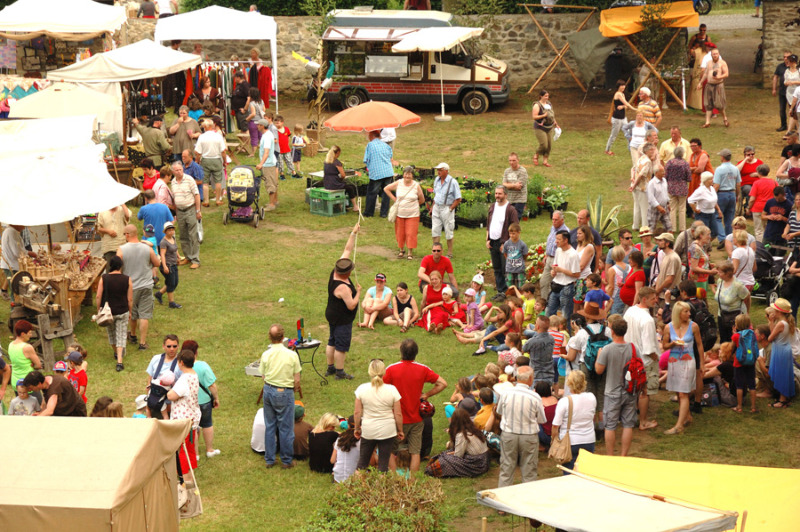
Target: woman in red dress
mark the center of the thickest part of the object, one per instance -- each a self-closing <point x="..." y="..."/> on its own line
<point x="434" y="316"/>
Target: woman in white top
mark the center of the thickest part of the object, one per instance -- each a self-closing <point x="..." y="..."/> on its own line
<point x="378" y="418"/>
<point x="586" y="251"/>
<point x="581" y="429"/>
<point x="744" y="259"/>
<point x="346" y="453"/>
<point x="409" y="197"/>
<point x="377" y="303"/>
<point x="739" y="223"/>
<point x="637" y="132"/>
<point x="186" y="405"/>
<point x="469" y="454"/>
<point x="791" y="80"/>
<point x="703" y="202"/>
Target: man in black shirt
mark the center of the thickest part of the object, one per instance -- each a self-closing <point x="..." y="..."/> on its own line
<point x="779" y="89"/>
<point x="343" y="298"/>
<point x="791" y="141"/>
<point x="239" y="100"/>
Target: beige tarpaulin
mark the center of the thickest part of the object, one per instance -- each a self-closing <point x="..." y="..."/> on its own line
<point x="89" y="474"/>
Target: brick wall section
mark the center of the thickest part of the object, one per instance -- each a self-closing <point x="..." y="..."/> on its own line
<point x="514" y="39"/>
<point x="777" y="37"/>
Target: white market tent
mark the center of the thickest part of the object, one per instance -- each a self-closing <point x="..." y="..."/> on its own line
<point x="58" y="181"/>
<point x="436" y="40"/>
<point x="120" y="474"/>
<point x="140" y="60"/>
<point x="222" y="23"/>
<point x="72" y="20"/>
<point x="67" y="99"/>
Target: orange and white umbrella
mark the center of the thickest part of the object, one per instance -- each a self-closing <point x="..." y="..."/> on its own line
<point x="371" y="116"/>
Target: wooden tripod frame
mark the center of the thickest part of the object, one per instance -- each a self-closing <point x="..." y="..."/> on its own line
<point x="653" y="66"/>
<point x="560" y="53"/>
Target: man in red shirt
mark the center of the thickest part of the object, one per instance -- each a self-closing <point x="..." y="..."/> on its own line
<point x="409" y="377"/>
<point x="761" y="191"/>
<point x="435" y="262"/>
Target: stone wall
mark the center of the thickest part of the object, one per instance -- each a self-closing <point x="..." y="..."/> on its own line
<point x="514" y="39"/>
<point x="777" y="36"/>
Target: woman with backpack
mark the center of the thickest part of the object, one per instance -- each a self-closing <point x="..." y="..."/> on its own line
<point x="590" y="335"/>
<point x="681" y="337"/>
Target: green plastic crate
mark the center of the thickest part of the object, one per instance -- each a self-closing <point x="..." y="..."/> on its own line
<point x="321" y="193"/>
<point x="328" y="207"/>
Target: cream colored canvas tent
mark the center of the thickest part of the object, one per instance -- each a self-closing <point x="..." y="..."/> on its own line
<point x="89" y="474"/>
<point x="73" y="20"/>
<point x="624" y="493"/>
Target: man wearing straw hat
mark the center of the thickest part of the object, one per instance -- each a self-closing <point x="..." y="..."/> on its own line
<point x="343" y="298"/>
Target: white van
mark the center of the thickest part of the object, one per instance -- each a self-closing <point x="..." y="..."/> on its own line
<point x="359" y="42"/>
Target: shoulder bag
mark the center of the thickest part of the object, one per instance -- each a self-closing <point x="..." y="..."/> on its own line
<point x="104" y="318"/>
<point x="560" y="448"/>
<point x="396" y="205"/>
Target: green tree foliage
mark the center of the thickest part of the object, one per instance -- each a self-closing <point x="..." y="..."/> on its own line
<point x="656" y="34"/>
<point x="273" y="8"/>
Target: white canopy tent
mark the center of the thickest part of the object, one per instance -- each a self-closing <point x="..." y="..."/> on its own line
<point x="222" y="23"/>
<point x="66" y="179"/>
<point x="140" y="60"/>
<point x="436" y="40"/>
<point x="67" y="99"/>
<point x="72" y="20"/>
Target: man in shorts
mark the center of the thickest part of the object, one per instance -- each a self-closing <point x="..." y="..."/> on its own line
<point x="343" y="298"/>
<point x="446" y="197"/>
<point x="138" y="261"/>
<point x="642" y="334"/>
<point x="209" y="150"/>
<point x="409" y="377"/>
<point x="619" y="406"/>
<point x="268" y="163"/>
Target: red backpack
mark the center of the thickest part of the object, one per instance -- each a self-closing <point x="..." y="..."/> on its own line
<point x="635" y="375"/>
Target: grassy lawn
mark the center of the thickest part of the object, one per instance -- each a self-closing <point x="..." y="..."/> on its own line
<point x="230" y="302"/>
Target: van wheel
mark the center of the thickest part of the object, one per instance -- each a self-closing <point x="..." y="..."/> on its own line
<point x="474" y="102"/>
<point x="352" y="97"/>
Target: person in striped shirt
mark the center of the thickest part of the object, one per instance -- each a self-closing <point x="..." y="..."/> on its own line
<point x="522" y="411"/>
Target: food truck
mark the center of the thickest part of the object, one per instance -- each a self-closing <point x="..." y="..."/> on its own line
<point x="359" y="43"/>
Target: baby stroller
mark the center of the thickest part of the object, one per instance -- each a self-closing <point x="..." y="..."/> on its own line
<point x="770" y="273"/>
<point x="244" y="189"/>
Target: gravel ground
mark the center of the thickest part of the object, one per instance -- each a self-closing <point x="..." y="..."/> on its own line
<point x="730" y="22"/>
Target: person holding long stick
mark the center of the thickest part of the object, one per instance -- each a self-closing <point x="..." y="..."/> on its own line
<point x="343" y="298"/>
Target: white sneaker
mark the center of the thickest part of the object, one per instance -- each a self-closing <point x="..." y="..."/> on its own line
<point x="213" y="453"/>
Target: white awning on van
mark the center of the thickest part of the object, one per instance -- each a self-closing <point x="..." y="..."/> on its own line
<point x="436" y="39"/>
<point x="339" y="33"/>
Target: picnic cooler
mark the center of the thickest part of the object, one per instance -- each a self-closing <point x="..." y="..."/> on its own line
<point x="327" y="202"/>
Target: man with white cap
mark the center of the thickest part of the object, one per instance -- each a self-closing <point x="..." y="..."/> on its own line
<point x="446" y="197"/>
<point x="666" y="273"/>
<point x="649" y="107"/>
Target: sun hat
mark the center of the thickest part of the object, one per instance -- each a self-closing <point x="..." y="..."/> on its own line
<point x="645" y="231"/>
<point x="344" y="266"/>
<point x="592" y="311"/>
<point x="168" y="225"/>
<point x="666" y="236"/>
<point x="442" y="165"/>
<point x="141" y="402"/>
<point x="470" y="292"/>
<point x="782" y="305"/>
<point x="478" y="278"/>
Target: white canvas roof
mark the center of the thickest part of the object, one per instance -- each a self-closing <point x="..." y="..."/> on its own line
<point x="436" y="39"/>
<point x="339" y="33"/>
<point x="68" y="178"/>
<point x="222" y="23"/>
<point x="140" y="60"/>
<point x="602" y="508"/>
<point x="73" y="20"/>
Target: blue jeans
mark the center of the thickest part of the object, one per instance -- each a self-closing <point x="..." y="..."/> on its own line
<point x="498" y="265"/>
<point x="617" y="306"/>
<point x="501" y="339"/>
<point x="544" y="439"/>
<point x="375" y="188"/>
<point x="727" y="204"/>
<point x="562" y="300"/>
<point x="713" y="222"/>
<point x="278" y="415"/>
<point x="575" y="449"/>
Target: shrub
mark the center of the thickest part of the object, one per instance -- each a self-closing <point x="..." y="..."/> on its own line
<point x="384" y="502"/>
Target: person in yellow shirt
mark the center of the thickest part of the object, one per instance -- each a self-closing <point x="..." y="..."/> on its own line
<point x="281" y="370"/>
<point x="667" y="149"/>
<point x="487" y="405"/>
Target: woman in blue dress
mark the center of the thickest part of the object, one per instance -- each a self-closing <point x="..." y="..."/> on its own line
<point x="681" y="337"/>
<point x="781" y="368"/>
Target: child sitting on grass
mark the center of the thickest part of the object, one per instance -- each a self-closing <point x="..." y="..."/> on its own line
<point x="514" y="343"/>
<point x="528" y="295"/>
<point x="402" y="462"/>
<point x="320" y="443"/>
<point x="23" y="404"/>
<point x="472" y="312"/>
<point x="480" y="294"/>
<point x="499" y="317"/>
<point x="345" y="453"/>
<point x="462" y="389"/>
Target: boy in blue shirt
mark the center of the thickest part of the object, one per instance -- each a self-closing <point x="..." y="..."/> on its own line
<point x="594" y="294"/>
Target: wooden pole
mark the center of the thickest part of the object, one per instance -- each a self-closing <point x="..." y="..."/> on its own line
<point x="560" y="54"/>
<point x="652" y="68"/>
<point x="124" y="125"/>
<point x="660" y="57"/>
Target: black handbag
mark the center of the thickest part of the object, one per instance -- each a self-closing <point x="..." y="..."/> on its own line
<point x="555" y="287"/>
